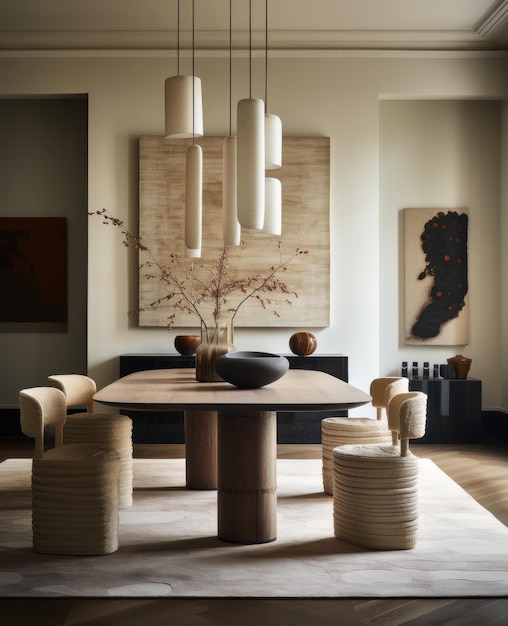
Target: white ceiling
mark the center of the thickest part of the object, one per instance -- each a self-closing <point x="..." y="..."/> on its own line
<point x="293" y="24"/>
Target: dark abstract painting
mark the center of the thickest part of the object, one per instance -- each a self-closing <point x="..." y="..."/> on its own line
<point x="33" y="274"/>
<point x="436" y="276"/>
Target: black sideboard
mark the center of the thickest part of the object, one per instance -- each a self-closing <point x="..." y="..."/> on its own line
<point x="454" y="409"/>
<point x="167" y="427"/>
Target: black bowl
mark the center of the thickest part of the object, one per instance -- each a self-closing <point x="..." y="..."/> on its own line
<point x="251" y="369"/>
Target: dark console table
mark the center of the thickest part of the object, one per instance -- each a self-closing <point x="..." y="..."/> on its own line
<point x="454" y="409"/>
<point x="292" y="427"/>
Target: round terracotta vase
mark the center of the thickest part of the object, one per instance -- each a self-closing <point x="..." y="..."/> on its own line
<point x="461" y="365"/>
<point x="187" y="344"/>
<point x="302" y="343"/>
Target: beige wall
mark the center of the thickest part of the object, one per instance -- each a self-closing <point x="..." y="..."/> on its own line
<point x="330" y="96"/>
<point x="443" y="155"/>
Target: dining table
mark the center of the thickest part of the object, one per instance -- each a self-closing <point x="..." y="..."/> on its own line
<point x="231" y="434"/>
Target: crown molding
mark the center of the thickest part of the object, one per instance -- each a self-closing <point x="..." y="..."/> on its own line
<point x="282" y="54"/>
<point x="279" y="41"/>
<point x="493" y="25"/>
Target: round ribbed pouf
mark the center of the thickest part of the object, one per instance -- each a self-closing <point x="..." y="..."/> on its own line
<point x="75" y="500"/>
<point x="112" y="430"/>
<point x="375" y="496"/>
<point x="341" y="431"/>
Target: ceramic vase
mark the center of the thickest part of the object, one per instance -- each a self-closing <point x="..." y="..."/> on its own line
<point x="302" y="343"/>
<point x="461" y="365"/>
<point x="187" y="344"/>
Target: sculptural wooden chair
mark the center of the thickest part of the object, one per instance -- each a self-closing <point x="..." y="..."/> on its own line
<point x="375" y="493"/>
<point x="74" y="487"/>
<point x="339" y="431"/>
<point x="94" y="427"/>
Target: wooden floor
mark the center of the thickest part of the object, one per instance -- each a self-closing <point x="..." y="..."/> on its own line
<point x="482" y="470"/>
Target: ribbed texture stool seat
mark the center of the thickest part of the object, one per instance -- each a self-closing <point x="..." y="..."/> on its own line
<point x="75" y="500"/>
<point x="75" y="490"/>
<point x="375" y="486"/>
<point x="96" y="427"/>
<point x="375" y="507"/>
<point x="336" y="431"/>
<point x="112" y="430"/>
<point x="340" y="431"/>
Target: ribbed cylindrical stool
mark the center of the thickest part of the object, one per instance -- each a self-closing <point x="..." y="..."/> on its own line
<point x="375" y="497"/>
<point x="340" y="431"/>
<point x="112" y="430"/>
<point x="75" y="500"/>
<point x="95" y="427"/>
<point x="375" y="489"/>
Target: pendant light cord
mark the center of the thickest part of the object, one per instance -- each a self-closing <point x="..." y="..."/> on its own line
<point x="266" y="56"/>
<point x="193" y="78"/>
<point x="178" y="40"/>
<point x="230" y="63"/>
<point x="250" y="48"/>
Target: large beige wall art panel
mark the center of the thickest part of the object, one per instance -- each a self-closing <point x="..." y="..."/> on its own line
<point x="436" y="277"/>
<point x="305" y="178"/>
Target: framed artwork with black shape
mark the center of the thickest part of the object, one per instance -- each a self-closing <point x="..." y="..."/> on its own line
<point x="436" y="277"/>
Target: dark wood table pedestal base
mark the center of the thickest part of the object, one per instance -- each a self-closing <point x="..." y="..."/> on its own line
<point x="201" y="449"/>
<point x="247" y="476"/>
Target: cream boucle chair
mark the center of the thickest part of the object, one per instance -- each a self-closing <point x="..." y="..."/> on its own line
<point x="375" y="492"/>
<point x="74" y="487"/>
<point x="91" y="427"/>
<point x="339" y="431"/>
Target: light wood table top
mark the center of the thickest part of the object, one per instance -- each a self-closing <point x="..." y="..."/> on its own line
<point x="178" y="390"/>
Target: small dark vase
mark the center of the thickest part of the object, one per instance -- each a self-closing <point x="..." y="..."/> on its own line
<point x="302" y="343"/>
<point x="187" y="344"/>
<point x="461" y="365"/>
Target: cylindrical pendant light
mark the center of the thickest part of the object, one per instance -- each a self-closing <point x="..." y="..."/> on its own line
<point x="183" y="107"/>
<point x="193" y="184"/>
<point x="182" y="118"/>
<point x="230" y="224"/>
<point x="273" y="141"/>
<point x="273" y="206"/>
<point x="250" y="120"/>
<point x="273" y="124"/>
<point x="193" y="201"/>
<point x="251" y="163"/>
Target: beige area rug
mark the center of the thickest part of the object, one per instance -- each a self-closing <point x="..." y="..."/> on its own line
<point x="169" y="545"/>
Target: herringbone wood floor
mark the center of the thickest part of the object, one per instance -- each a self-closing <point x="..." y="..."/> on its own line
<point x="481" y="469"/>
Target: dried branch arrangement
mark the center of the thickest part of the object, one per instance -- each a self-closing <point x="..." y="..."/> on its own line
<point x="207" y="291"/>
